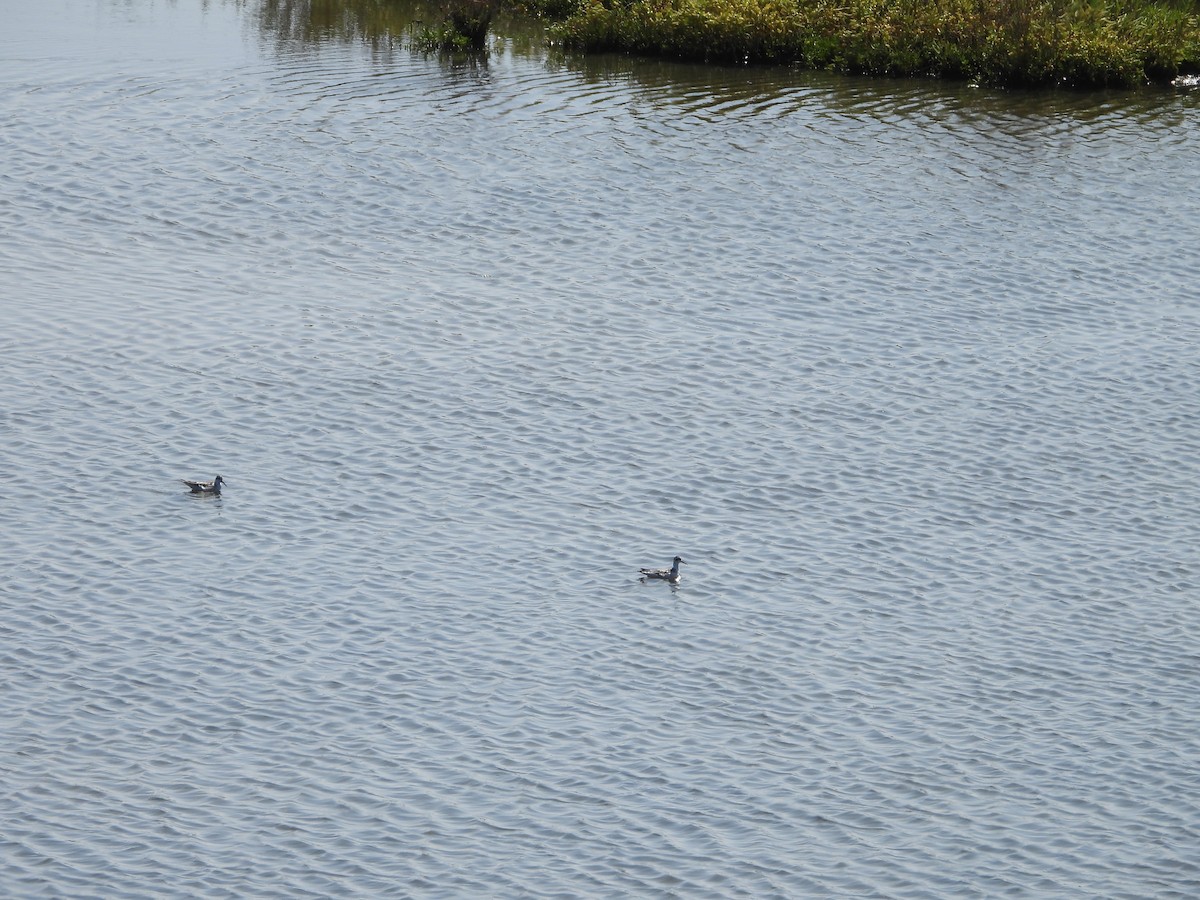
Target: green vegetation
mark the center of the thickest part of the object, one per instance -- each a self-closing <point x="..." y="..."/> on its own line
<point x="1005" y="42"/>
<point x="1080" y="43"/>
<point x="464" y="26"/>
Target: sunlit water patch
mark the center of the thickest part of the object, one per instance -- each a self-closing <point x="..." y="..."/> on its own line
<point x="905" y="372"/>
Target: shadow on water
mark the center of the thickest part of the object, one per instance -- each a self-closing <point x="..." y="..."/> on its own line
<point x="309" y="21"/>
<point x="385" y="27"/>
<point x="725" y="90"/>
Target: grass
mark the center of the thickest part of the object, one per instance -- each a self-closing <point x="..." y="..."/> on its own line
<point x="1082" y="43"/>
<point x="463" y="26"/>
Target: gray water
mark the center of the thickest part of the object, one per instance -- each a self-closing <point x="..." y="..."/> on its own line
<point x="906" y="372"/>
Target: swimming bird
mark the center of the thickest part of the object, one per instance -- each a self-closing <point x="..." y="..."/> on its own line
<point x="671" y="575"/>
<point x="206" y="487"/>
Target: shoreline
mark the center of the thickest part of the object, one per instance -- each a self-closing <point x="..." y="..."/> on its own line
<point x="1010" y="43"/>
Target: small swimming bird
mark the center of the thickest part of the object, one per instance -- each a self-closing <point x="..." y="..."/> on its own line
<point x="206" y="487"/>
<point x="670" y="575"/>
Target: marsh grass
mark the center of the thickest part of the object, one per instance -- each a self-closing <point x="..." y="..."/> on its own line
<point x="1009" y="42"/>
<point x="1084" y="43"/>
<point x="462" y="25"/>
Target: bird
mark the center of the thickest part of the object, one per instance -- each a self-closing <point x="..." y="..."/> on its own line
<point x="206" y="487"/>
<point x="671" y="575"/>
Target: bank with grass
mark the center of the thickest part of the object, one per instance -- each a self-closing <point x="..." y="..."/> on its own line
<point x="1078" y="43"/>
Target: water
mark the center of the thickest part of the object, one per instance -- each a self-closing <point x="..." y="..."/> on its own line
<point x="906" y="372"/>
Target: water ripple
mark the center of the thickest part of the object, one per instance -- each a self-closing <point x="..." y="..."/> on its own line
<point x="905" y="371"/>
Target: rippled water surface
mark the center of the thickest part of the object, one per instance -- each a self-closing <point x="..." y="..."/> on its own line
<point x="907" y="373"/>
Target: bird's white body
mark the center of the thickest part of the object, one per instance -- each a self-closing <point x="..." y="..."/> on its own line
<point x="206" y="487"/>
<point x="670" y="575"/>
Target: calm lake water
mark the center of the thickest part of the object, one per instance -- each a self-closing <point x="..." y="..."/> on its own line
<point x="906" y="372"/>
